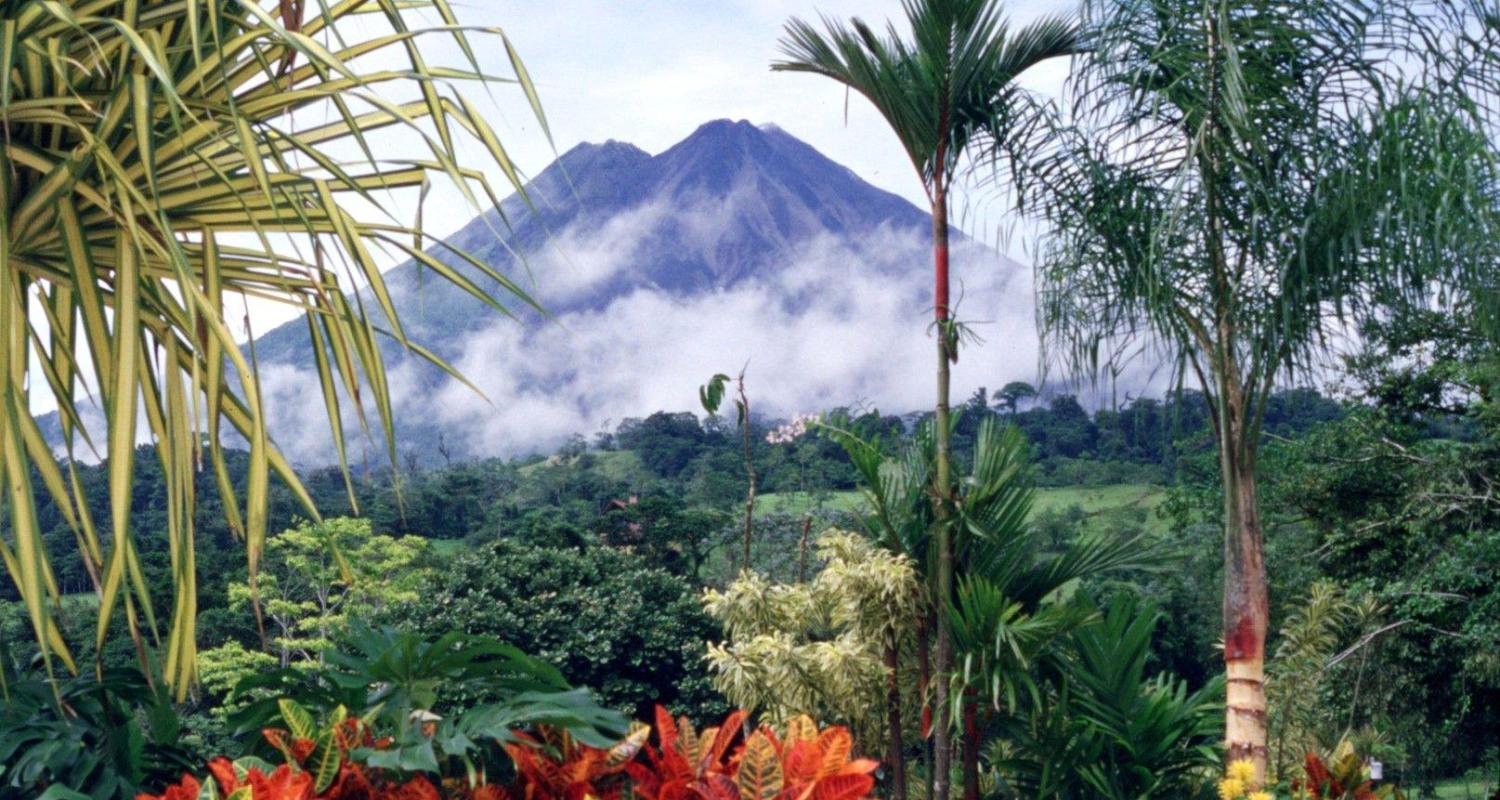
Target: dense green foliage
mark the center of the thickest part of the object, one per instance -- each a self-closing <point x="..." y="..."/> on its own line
<point x="120" y="734"/>
<point x="448" y="703"/>
<point x="1107" y="728"/>
<point x="1231" y="189"/>
<point x="521" y="533"/>
<point x="161" y="167"/>
<point x="607" y="619"/>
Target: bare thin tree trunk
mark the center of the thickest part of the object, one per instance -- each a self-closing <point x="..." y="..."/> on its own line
<point x="802" y="549"/>
<point x="749" y="470"/>
<point x="895" y="757"/>
<point x="924" y="679"/>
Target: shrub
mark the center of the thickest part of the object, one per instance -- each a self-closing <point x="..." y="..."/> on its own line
<point x="119" y="734"/>
<point x="632" y="633"/>
<point x="801" y="761"/>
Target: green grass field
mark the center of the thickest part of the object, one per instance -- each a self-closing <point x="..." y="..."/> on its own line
<point x="1461" y="789"/>
<point x="798" y="503"/>
<point x="622" y="465"/>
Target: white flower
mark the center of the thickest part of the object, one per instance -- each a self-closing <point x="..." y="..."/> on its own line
<point x="792" y="431"/>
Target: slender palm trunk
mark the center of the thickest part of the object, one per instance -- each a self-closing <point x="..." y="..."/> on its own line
<point x="1246" y="608"/>
<point x="807" y="522"/>
<point x="971" y="743"/>
<point x="942" y="742"/>
<point x="895" y="758"/>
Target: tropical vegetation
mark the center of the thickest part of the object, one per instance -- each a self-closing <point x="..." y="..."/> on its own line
<point x="1239" y="187"/>
<point x="952" y="83"/>
<point x="160" y="177"/>
<point x="1274" y="577"/>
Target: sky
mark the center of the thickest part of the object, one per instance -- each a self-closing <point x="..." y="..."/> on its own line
<point x="650" y="71"/>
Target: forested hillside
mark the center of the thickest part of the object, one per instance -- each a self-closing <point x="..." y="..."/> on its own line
<point x="652" y="510"/>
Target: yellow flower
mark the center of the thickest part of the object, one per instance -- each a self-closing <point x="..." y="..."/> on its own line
<point x="1242" y="770"/>
<point x="1231" y="789"/>
<point x="1260" y="796"/>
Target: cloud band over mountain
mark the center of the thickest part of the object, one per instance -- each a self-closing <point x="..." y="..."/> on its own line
<point x="739" y="245"/>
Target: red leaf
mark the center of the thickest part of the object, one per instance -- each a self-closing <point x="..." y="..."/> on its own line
<point x="302" y="748"/>
<point x="418" y="788"/>
<point x="727" y="732"/>
<point x="223" y="771"/>
<point x="666" y="729"/>
<point x="843" y="787"/>
<point x="802" y="762"/>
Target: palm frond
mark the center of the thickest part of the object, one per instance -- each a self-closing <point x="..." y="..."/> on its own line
<point x="166" y="163"/>
<point x="950" y="82"/>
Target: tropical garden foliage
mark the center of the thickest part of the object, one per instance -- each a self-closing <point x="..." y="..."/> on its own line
<point x="160" y="175"/>
<point x="1239" y="187"/>
<point x="848" y="603"/>
<point x="951" y="83"/>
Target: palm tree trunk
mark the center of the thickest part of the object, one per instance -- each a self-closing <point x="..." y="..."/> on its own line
<point x="1246" y="607"/>
<point x="894" y="756"/>
<point x="802" y="549"/>
<point x="942" y="742"/>
<point x="1246" y="611"/>
<point x="971" y="743"/>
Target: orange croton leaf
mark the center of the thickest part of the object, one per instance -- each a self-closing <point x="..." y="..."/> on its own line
<point x="851" y="786"/>
<point x="666" y="729"/>
<point x="418" y="788"/>
<point x="809" y="765"/>
<point x="760" y="775"/>
<point x="835" y="744"/>
<point x="718" y="741"/>
<point x="284" y="783"/>
<point x="801" y="728"/>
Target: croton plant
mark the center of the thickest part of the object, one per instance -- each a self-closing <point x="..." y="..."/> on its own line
<point x="730" y="761"/>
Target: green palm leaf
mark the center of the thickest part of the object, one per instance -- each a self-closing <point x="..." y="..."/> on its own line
<point x="166" y="163"/>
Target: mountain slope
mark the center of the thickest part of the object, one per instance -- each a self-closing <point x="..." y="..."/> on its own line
<point x="739" y="242"/>
<point x="730" y="200"/>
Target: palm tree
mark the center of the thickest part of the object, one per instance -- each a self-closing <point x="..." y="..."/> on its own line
<point x="939" y="91"/>
<point x="1007" y="611"/>
<point x="1245" y="183"/>
<point x="165" y="164"/>
<point x="1003" y="614"/>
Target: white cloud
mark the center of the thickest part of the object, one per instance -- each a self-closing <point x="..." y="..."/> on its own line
<point x="836" y="322"/>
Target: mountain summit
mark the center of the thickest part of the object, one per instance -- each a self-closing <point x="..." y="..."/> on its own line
<point x="738" y="242"/>
<point x="728" y="202"/>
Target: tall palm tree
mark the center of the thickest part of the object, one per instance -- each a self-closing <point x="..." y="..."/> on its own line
<point x="165" y="163"/>
<point x="938" y="91"/>
<point x="1244" y="184"/>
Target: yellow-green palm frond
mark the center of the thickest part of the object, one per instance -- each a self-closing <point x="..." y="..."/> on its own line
<point x="166" y="164"/>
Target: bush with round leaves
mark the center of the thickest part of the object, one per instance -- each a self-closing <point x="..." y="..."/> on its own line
<point x="633" y="633"/>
